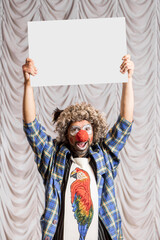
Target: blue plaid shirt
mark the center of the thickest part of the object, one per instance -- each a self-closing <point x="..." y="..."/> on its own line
<point x="51" y="159"/>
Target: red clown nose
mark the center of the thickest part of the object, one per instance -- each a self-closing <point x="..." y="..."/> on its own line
<point x="82" y="136"/>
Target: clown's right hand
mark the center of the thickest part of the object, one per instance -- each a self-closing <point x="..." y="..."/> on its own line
<point x="29" y="68"/>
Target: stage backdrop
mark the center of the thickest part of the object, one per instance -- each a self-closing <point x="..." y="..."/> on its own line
<point x="138" y="180"/>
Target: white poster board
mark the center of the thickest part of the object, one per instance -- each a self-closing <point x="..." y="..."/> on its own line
<point x="74" y="52"/>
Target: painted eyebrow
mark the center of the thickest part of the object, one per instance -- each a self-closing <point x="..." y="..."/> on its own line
<point x="73" y="127"/>
<point x="87" y="125"/>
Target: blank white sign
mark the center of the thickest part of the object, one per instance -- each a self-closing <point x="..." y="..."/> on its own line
<point x="83" y="51"/>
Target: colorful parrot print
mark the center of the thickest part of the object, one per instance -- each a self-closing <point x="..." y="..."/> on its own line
<point x="81" y="201"/>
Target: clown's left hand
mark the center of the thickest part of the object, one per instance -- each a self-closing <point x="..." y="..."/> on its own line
<point x="127" y="66"/>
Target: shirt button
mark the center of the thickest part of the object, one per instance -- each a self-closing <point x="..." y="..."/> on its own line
<point x="54" y="221"/>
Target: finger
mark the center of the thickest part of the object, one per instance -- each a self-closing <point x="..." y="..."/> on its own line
<point x="126" y="57"/>
<point x="29" y="70"/>
<point x="124" y="69"/>
<point x="130" y="72"/>
<point x="31" y="65"/>
<point x="123" y="66"/>
<point x="124" y="62"/>
<point x="128" y="65"/>
<point x="29" y="60"/>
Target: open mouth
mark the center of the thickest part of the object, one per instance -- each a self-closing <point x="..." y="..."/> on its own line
<point x="81" y="145"/>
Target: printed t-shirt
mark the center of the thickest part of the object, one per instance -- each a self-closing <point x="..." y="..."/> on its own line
<point x="81" y="202"/>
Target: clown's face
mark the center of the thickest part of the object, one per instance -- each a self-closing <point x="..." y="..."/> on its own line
<point x="80" y="137"/>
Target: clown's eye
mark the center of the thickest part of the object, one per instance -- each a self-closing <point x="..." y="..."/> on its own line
<point x="88" y="128"/>
<point x="74" y="131"/>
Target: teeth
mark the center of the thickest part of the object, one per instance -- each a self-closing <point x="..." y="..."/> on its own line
<point x="81" y="145"/>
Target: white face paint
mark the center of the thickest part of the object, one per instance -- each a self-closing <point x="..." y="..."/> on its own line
<point x="80" y="149"/>
<point x="75" y="129"/>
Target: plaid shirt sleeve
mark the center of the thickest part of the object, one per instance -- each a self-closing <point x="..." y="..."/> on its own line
<point x="116" y="139"/>
<point x="42" y="145"/>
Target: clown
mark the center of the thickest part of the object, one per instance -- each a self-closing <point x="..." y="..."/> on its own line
<point x="79" y="166"/>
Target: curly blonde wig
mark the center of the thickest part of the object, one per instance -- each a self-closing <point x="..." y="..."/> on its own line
<point x="77" y="113"/>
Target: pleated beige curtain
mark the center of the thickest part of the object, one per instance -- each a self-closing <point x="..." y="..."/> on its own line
<point x="138" y="180"/>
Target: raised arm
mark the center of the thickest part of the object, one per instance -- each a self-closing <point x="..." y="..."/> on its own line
<point x="29" y="110"/>
<point x="127" y="99"/>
